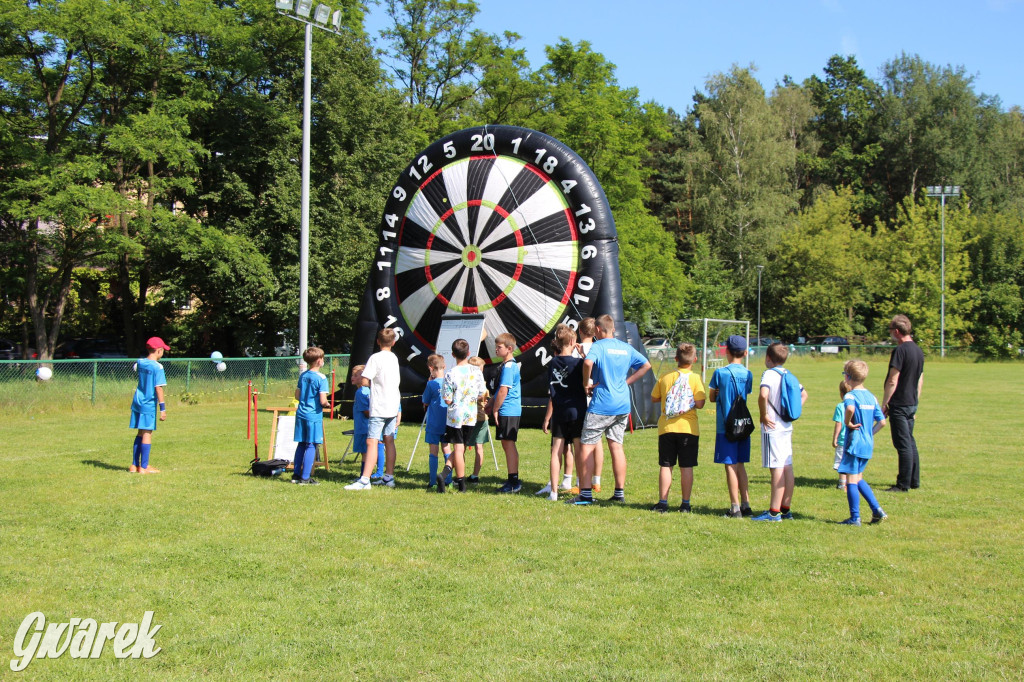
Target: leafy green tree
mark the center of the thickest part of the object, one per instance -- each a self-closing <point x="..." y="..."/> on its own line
<point x="794" y="106"/>
<point x="997" y="264"/>
<point x="710" y="292"/>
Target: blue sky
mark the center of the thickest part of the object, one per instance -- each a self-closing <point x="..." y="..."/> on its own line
<point x="667" y="49"/>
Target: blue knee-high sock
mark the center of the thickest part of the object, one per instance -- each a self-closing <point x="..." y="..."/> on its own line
<point x="299" y="460"/>
<point x="307" y="460"/>
<point x="380" y="459"/>
<point x="136" y="450"/>
<point x="868" y="494"/>
<point x="144" y="454"/>
<point x="433" y="469"/>
<point x="853" y="497"/>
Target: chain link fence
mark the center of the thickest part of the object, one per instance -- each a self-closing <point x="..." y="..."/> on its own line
<point x="111" y="382"/>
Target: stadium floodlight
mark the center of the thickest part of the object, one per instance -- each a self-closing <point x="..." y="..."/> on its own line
<point x="285" y="5"/>
<point x="322" y="14"/>
<point x="943" y="191"/>
<point x="304" y="7"/>
<point x="336" y="20"/>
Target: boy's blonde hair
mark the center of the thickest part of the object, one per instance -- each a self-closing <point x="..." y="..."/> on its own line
<point x="312" y="354"/>
<point x="358" y="369"/>
<point x="686" y="353"/>
<point x="477" y="361"/>
<point x="506" y="340"/>
<point x="844" y="388"/>
<point x="435" y="361"/>
<point x="778" y="353"/>
<point x="606" y="323"/>
<point x="856" y="371"/>
<point x="386" y="337"/>
<point x="588" y="327"/>
<point x="565" y="337"/>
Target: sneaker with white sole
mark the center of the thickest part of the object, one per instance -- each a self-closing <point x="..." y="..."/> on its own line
<point x="544" y="491"/>
<point x="358" y="485"/>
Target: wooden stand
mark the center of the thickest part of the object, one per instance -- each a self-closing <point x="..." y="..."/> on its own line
<point x="320" y="460"/>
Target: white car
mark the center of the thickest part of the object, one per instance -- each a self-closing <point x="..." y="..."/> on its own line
<point x="658" y="348"/>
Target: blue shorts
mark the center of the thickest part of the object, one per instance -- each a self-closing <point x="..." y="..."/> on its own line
<point x="731" y="453"/>
<point x="378" y="427"/>
<point x="143" y="420"/>
<point x="853" y="465"/>
<point x="359" y="443"/>
<point x="436" y="437"/>
<point x="309" y="430"/>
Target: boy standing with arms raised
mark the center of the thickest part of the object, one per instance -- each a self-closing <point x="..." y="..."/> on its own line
<point x="727" y="383"/>
<point x="382" y="375"/>
<point x="776" y="435"/>
<point x="508" y="408"/>
<point x="608" y="365"/>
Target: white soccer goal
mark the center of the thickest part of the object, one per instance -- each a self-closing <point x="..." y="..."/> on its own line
<point x="709" y="335"/>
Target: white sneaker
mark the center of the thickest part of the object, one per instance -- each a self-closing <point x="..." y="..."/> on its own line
<point x="544" y="491"/>
<point x="358" y="485"/>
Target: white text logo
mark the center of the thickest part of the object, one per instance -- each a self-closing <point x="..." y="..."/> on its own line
<point x="82" y="638"/>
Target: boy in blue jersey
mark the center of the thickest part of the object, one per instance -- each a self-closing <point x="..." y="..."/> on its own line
<point x="726" y="384"/>
<point x="608" y="364"/>
<point x="149" y="396"/>
<point x="508" y="408"/>
<point x="436" y="416"/>
<point x="360" y="412"/>
<point x="864" y="419"/>
<point x="839" y="432"/>
<point x="311" y="393"/>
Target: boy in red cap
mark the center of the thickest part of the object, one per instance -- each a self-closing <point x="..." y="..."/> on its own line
<point x="149" y="396"/>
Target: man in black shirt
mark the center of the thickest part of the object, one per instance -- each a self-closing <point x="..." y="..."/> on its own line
<point x="902" y="391"/>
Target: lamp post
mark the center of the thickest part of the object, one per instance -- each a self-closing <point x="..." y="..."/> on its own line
<point x="943" y="191"/>
<point x="760" y="269"/>
<point x="322" y="18"/>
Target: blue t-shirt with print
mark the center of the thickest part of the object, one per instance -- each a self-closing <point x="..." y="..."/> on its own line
<point x="437" y="409"/>
<point x="613" y="361"/>
<point x="311" y="385"/>
<point x="361" y="404"/>
<point x="726" y="380"/>
<point x="866" y="411"/>
<point x="512" y="406"/>
<point x="151" y="375"/>
<point x="840" y="416"/>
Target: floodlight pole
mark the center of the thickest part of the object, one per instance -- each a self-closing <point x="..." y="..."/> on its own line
<point x="304" y="229"/>
<point x="760" y="269"/>
<point x="942" y="192"/>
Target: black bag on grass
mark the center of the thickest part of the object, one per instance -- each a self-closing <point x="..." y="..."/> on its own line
<point x="738" y="422"/>
<point x="268" y="467"/>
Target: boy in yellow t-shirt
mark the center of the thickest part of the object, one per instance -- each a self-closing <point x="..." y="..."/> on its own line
<point x="681" y="394"/>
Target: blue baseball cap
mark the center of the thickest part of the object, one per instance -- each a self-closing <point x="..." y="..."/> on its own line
<point x="736" y="343"/>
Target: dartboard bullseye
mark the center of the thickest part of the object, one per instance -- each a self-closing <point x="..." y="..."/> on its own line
<point x="501" y="221"/>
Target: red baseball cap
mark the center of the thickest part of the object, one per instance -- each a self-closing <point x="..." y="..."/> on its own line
<point x="155" y="342"/>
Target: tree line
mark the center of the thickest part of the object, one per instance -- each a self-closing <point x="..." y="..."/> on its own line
<point x="149" y="176"/>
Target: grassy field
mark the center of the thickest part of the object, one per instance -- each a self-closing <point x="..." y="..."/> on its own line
<point x="254" y="578"/>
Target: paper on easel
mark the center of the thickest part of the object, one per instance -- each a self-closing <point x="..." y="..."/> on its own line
<point x="284" y="444"/>
<point x="454" y="327"/>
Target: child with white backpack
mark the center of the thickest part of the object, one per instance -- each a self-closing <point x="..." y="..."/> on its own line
<point x="681" y="394"/>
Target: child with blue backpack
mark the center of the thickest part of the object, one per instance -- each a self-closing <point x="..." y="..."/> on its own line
<point x="780" y="403"/>
<point x="864" y="419"/>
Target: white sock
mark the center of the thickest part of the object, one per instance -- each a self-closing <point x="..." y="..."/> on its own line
<point x="553" y="496"/>
<point x="597" y="480"/>
<point x="364" y="479"/>
<point x="566" y="480"/>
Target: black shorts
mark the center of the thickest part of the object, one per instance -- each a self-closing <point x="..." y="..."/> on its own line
<point x="458" y="435"/>
<point x="508" y="428"/>
<point x="568" y="430"/>
<point x="681" y="447"/>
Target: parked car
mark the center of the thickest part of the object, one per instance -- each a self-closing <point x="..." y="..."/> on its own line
<point x="658" y="348"/>
<point x="9" y="350"/>
<point x="828" y="344"/>
<point x="91" y="349"/>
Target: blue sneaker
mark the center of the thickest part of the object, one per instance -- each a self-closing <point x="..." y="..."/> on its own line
<point x="767" y="516"/>
<point x="878" y="516"/>
<point x="788" y="516"/>
<point x="580" y="501"/>
<point x="850" y="522"/>
<point x="510" y="487"/>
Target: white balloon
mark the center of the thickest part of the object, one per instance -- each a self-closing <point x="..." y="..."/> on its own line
<point x="44" y="373"/>
<point x="221" y="366"/>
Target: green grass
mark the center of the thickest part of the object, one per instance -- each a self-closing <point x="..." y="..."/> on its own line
<point x="260" y="579"/>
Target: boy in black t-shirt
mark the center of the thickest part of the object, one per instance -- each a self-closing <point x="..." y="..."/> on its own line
<point x="567" y="405"/>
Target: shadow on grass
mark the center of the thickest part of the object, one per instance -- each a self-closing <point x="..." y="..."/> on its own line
<point x="104" y="465"/>
<point x="805" y="482"/>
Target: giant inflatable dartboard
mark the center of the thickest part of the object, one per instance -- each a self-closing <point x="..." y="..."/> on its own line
<point x="498" y="220"/>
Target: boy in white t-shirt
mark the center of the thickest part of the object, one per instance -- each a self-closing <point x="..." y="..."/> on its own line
<point x="776" y="435"/>
<point x="382" y="375"/>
